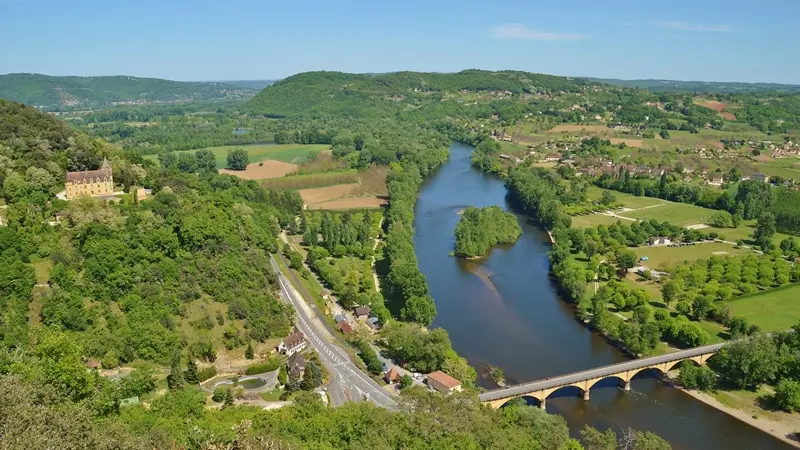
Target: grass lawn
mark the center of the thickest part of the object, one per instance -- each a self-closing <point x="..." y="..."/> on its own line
<point x="663" y="258"/>
<point x="291" y="153"/>
<point x="272" y="396"/>
<point x="681" y="214"/>
<point x="42" y="267"/>
<point x="628" y="200"/>
<point x="772" y="310"/>
<point x="512" y="149"/>
<point x="590" y="220"/>
<point x="782" y="167"/>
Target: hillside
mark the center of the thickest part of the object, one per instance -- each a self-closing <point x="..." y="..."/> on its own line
<point x="703" y="87"/>
<point x="55" y="93"/>
<point x="251" y="84"/>
<point x="369" y="95"/>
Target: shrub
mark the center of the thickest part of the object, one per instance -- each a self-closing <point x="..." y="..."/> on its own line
<point x="206" y="373"/>
<point x="262" y="367"/>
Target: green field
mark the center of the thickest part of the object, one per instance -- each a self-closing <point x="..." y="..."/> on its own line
<point x="783" y="167"/>
<point x="312" y="180"/>
<point x="772" y="310"/>
<point x="590" y="220"/>
<point x="291" y="153"/>
<point x="681" y="214"/>
<point x="628" y="200"/>
<point x="743" y="233"/>
<point x="663" y="258"/>
<point x="42" y="268"/>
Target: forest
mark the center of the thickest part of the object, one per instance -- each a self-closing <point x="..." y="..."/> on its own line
<point x="481" y="228"/>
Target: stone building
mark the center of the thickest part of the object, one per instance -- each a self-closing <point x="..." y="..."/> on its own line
<point x="90" y="182"/>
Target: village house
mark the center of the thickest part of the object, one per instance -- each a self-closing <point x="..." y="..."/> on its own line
<point x="443" y="382"/>
<point x="760" y="177"/>
<point x="292" y="344"/>
<point x="716" y="179"/>
<point x="392" y="375"/>
<point x="90" y="182"/>
<point x="553" y="157"/>
<point x="296" y="364"/>
<point x="373" y="323"/>
<point x="362" y="312"/>
<point x="661" y="240"/>
<point x="345" y="327"/>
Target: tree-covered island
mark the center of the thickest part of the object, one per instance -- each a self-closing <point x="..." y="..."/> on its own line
<point x="481" y="228"/>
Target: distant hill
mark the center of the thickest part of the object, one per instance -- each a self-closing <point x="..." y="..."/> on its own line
<point x="58" y="93"/>
<point x="365" y="95"/>
<point x="704" y="87"/>
<point x="251" y="84"/>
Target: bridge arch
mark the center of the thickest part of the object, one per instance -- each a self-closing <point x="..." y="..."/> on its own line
<point x="619" y="378"/>
<point x="674" y="364"/>
<point x="562" y="388"/>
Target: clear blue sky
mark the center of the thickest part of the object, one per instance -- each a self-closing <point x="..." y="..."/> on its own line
<point x="267" y="39"/>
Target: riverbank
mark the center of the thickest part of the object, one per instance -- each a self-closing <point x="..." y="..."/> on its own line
<point x="777" y="429"/>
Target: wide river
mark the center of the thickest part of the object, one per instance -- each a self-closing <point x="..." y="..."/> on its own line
<point x="503" y="310"/>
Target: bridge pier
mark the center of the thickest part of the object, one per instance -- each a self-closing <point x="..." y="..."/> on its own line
<point x="586" y="395"/>
<point x="543" y="404"/>
<point x="625" y="384"/>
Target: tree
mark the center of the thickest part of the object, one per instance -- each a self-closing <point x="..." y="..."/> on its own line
<point x="282" y="375"/>
<point x="787" y="395"/>
<point x="746" y="364"/>
<point x="696" y="377"/>
<point x="607" y="198"/>
<point x="596" y="440"/>
<point x="248" y="353"/>
<point x="206" y="162"/>
<point x="664" y="134"/>
<point x="406" y="381"/>
<point x="238" y="159"/>
<point x="671" y="290"/>
<point x="312" y="377"/>
<point x="420" y="310"/>
<point x="765" y="230"/>
<point x="175" y="379"/>
<point x="191" y="375"/>
<point x="626" y="259"/>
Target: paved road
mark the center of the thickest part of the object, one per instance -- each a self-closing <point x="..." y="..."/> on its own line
<point x="574" y="377"/>
<point x="347" y="381"/>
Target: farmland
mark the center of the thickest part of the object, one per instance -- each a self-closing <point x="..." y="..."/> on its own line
<point x="682" y="214"/>
<point x="628" y="200"/>
<point x="289" y="153"/>
<point x="664" y="258"/>
<point x="312" y="180"/>
<point x="263" y="170"/>
<point x="341" y="190"/>
<point x="772" y="310"/>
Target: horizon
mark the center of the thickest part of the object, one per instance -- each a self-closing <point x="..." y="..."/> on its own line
<point x="589" y="77"/>
<point x="251" y="40"/>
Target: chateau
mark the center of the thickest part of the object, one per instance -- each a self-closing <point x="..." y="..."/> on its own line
<point x="90" y="182"/>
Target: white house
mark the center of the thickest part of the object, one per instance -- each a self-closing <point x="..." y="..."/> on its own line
<point x="661" y="240"/>
<point x="292" y="344"/>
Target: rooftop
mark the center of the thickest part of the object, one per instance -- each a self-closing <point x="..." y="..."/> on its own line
<point x="444" y="379"/>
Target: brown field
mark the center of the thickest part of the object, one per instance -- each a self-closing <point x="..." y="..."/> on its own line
<point x="256" y="171"/>
<point x="350" y="203"/>
<point x="578" y="128"/>
<point x="328" y="193"/>
<point x="718" y="107"/>
<point x="628" y="142"/>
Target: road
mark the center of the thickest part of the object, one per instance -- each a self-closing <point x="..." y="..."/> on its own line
<point x="594" y="373"/>
<point x="347" y="381"/>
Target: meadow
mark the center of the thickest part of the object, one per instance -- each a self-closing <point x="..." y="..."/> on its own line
<point x="772" y="310"/>
<point x="664" y="257"/>
<point x="290" y="153"/>
<point x="628" y="200"/>
<point x="682" y="214"/>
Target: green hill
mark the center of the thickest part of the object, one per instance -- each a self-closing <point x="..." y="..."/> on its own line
<point x="55" y="93"/>
<point x="362" y="95"/>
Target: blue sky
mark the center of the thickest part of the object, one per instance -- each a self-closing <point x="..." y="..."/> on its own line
<point x="268" y="39"/>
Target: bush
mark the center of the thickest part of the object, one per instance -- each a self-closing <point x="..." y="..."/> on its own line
<point x="787" y="395"/>
<point x="206" y="373"/>
<point x="267" y="366"/>
<point x="220" y="394"/>
<point x="696" y="377"/>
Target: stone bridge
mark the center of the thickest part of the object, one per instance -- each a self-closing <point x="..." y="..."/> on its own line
<point x="584" y="380"/>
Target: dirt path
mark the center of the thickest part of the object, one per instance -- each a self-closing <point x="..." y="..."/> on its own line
<point x="374" y="273"/>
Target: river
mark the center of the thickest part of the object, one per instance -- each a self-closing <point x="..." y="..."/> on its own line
<point x="504" y="310"/>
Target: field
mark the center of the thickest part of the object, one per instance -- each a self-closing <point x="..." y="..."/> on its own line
<point x="567" y="128"/>
<point x="772" y="310"/>
<point x="263" y="170"/>
<point x="628" y="142"/>
<point x="628" y="200"/>
<point x="590" y="220"/>
<point x="682" y="214"/>
<point x="290" y="153"/>
<point x="663" y="258"/>
<point x="369" y="191"/>
<point x="716" y="106"/>
<point x="312" y="180"/>
<point x="782" y="167"/>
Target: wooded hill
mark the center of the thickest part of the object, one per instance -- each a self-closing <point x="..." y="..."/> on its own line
<point x="56" y="93"/>
<point x="701" y="87"/>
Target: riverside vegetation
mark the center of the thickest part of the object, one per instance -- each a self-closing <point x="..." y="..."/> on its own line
<point x="481" y="228"/>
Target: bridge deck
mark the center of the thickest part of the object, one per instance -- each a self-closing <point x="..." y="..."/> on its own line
<point x="599" y="372"/>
